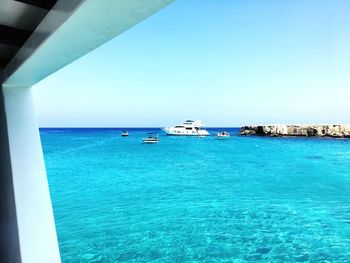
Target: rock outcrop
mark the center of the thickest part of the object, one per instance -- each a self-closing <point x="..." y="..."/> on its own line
<point x="334" y="131"/>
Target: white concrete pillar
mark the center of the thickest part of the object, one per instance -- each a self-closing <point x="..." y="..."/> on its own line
<point x="36" y="227"/>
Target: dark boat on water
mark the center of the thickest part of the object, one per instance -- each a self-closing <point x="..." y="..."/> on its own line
<point x="151" y="139"/>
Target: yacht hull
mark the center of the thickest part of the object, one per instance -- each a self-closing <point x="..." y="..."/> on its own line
<point x="185" y="133"/>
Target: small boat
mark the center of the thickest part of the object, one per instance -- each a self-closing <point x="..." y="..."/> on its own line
<point x="223" y="135"/>
<point x="151" y="139"/>
<point x="124" y="133"/>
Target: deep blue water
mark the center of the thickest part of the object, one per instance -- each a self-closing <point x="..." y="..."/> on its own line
<point x="246" y="199"/>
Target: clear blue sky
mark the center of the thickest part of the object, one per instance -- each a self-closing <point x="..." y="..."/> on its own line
<point x="228" y="63"/>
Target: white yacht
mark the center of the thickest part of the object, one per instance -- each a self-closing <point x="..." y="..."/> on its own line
<point x="188" y="128"/>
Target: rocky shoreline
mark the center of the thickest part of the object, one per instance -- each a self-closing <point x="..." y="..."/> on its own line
<point x="333" y="131"/>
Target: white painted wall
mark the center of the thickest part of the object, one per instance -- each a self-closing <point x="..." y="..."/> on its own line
<point x="35" y="220"/>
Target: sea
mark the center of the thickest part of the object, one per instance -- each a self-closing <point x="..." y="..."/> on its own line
<point x="191" y="199"/>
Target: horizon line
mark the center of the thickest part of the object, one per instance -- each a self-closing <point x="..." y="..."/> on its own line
<point x="145" y="127"/>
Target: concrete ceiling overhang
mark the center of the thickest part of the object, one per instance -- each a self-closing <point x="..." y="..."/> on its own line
<point x="40" y="37"/>
<point x="18" y="20"/>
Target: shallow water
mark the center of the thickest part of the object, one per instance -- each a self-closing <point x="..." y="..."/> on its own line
<point x="245" y="199"/>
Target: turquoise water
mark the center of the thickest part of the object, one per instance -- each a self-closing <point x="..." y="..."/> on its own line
<point x="246" y="199"/>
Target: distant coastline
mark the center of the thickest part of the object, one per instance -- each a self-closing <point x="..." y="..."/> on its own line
<point x="330" y="131"/>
